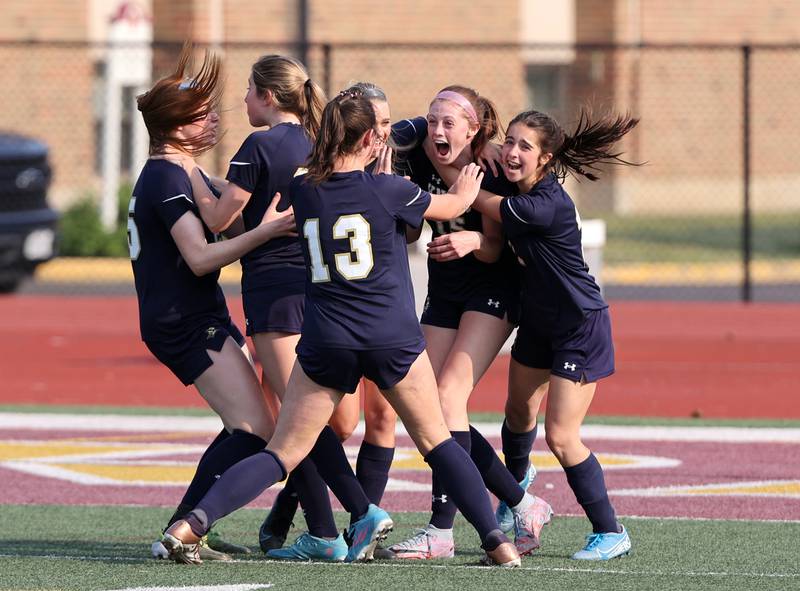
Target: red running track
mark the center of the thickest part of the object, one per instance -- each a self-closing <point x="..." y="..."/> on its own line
<point x="716" y="360"/>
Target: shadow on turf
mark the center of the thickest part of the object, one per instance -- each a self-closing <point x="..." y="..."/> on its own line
<point x="111" y="552"/>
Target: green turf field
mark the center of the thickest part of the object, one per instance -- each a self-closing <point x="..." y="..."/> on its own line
<point x="90" y="548"/>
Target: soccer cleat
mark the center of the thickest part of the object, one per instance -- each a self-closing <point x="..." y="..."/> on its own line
<point x="206" y="552"/>
<point x="308" y="547"/>
<point x="216" y="542"/>
<point x="528" y="524"/>
<point x="272" y="533"/>
<point x="504" y="556"/>
<point x="504" y="515"/>
<point x="181" y="552"/>
<point x="426" y="544"/>
<point x="365" y="534"/>
<point x="605" y="546"/>
<point x="159" y="551"/>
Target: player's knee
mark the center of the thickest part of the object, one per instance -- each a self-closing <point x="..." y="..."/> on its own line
<point x="520" y="416"/>
<point x="561" y="441"/>
<point x="380" y="421"/>
<point x="343" y="426"/>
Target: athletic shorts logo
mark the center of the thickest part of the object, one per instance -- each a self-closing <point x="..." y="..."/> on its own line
<point x="442" y="499"/>
<point x="569" y="366"/>
<point x="493" y="303"/>
<point x="211" y="332"/>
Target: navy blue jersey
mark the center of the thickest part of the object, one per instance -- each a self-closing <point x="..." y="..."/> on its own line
<point x="264" y="165"/>
<point x="544" y="229"/>
<point x="172" y="299"/>
<point x="358" y="292"/>
<point x="466" y="275"/>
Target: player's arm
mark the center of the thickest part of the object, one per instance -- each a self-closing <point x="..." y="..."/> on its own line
<point x="218" y="214"/>
<point x="204" y="258"/>
<point x="459" y="198"/>
<point x="485" y="246"/>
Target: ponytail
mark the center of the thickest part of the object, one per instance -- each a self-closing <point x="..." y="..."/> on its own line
<point x="344" y="122"/>
<point x="314" y="103"/>
<point x="583" y="150"/>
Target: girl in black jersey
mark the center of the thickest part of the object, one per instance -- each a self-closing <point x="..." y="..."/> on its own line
<point x="469" y="313"/>
<point x="564" y="339"/>
<point x="353" y="236"/>
<point x="183" y="316"/>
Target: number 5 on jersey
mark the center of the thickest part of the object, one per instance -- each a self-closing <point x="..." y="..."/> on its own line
<point x="355" y="264"/>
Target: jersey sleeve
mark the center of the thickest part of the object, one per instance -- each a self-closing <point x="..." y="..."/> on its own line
<point x="409" y="132"/>
<point x="404" y="200"/>
<point x="527" y="212"/>
<point x="175" y="198"/>
<point x="246" y="166"/>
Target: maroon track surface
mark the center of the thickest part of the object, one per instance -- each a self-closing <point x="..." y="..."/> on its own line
<point x="720" y="360"/>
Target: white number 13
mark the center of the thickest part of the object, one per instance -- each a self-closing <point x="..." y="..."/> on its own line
<point x="355" y="264"/>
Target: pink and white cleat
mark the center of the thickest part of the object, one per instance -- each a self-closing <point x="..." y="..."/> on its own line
<point x="426" y="544"/>
<point x="528" y="524"/>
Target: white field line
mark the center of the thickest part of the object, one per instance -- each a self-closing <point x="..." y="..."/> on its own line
<point x="172" y="424"/>
<point x="422" y="566"/>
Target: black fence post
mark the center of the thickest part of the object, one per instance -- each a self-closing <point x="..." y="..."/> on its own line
<point x="747" y="230"/>
<point x="326" y="66"/>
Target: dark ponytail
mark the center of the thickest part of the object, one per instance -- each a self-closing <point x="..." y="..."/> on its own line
<point x="589" y="145"/>
<point x="345" y="120"/>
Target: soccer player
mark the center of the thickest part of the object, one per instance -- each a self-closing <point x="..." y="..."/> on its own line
<point x="564" y="337"/>
<point x="352" y="225"/>
<point x="469" y="313"/>
<point x="282" y="97"/>
<point x="183" y="317"/>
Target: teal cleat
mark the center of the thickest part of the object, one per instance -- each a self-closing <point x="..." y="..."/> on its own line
<point x="503" y="514"/>
<point x="605" y="546"/>
<point x="365" y="534"/>
<point x="308" y="547"/>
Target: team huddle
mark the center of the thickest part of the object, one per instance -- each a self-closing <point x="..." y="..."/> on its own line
<point x="320" y="207"/>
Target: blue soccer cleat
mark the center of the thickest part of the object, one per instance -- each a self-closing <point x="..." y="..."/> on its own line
<point x="605" y="546"/>
<point x="308" y="547"/>
<point x="503" y="514"/>
<point x="365" y="534"/>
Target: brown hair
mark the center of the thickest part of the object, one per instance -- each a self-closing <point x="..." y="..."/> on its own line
<point x="587" y="146"/>
<point x="292" y="90"/>
<point x="178" y="100"/>
<point x="345" y="120"/>
<point x="488" y="120"/>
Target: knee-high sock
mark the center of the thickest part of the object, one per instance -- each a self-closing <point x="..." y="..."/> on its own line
<point x="443" y="509"/>
<point x="331" y="461"/>
<point x="313" y="496"/>
<point x="517" y="450"/>
<point x="495" y="475"/>
<point x="226" y="452"/>
<point x="372" y="469"/>
<point x="182" y="508"/>
<point x="451" y="463"/>
<point x="286" y="501"/>
<point x="587" y="482"/>
<point x="240" y="484"/>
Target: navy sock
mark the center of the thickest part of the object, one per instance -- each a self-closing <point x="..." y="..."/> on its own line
<point x="372" y="469"/>
<point x="313" y="496"/>
<point x="517" y="449"/>
<point x="443" y="509"/>
<point x="240" y="484"/>
<point x="285" y="505"/>
<point x="331" y="461"/>
<point x="587" y="482"/>
<point x="495" y="475"/>
<point x="183" y="508"/>
<point x="227" y="452"/>
<point x="451" y="463"/>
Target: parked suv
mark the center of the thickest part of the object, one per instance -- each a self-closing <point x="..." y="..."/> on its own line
<point x="27" y="224"/>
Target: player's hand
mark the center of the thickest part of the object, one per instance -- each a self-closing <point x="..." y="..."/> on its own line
<point x="455" y="245"/>
<point x="384" y="160"/>
<point x="489" y="157"/>
<point x="468" y="182"/>
<point x="281" y="222"/>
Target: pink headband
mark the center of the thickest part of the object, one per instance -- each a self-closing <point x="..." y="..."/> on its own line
<point x="460" y="100"/>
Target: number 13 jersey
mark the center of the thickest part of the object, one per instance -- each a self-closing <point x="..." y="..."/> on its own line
<point x="352" y="231"/>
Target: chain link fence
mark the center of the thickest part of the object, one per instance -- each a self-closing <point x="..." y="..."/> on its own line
<point x="713" y="212"/>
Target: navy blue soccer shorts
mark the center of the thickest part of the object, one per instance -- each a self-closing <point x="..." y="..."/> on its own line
<point x="447" y="313"/>
<point x="342" y="369"/>
<point x="188" y="357"/>
<point x="585" y="353"/>
<point x="275" y="308"/>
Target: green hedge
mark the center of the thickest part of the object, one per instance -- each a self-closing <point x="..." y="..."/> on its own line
<point x="83" y="235"/>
